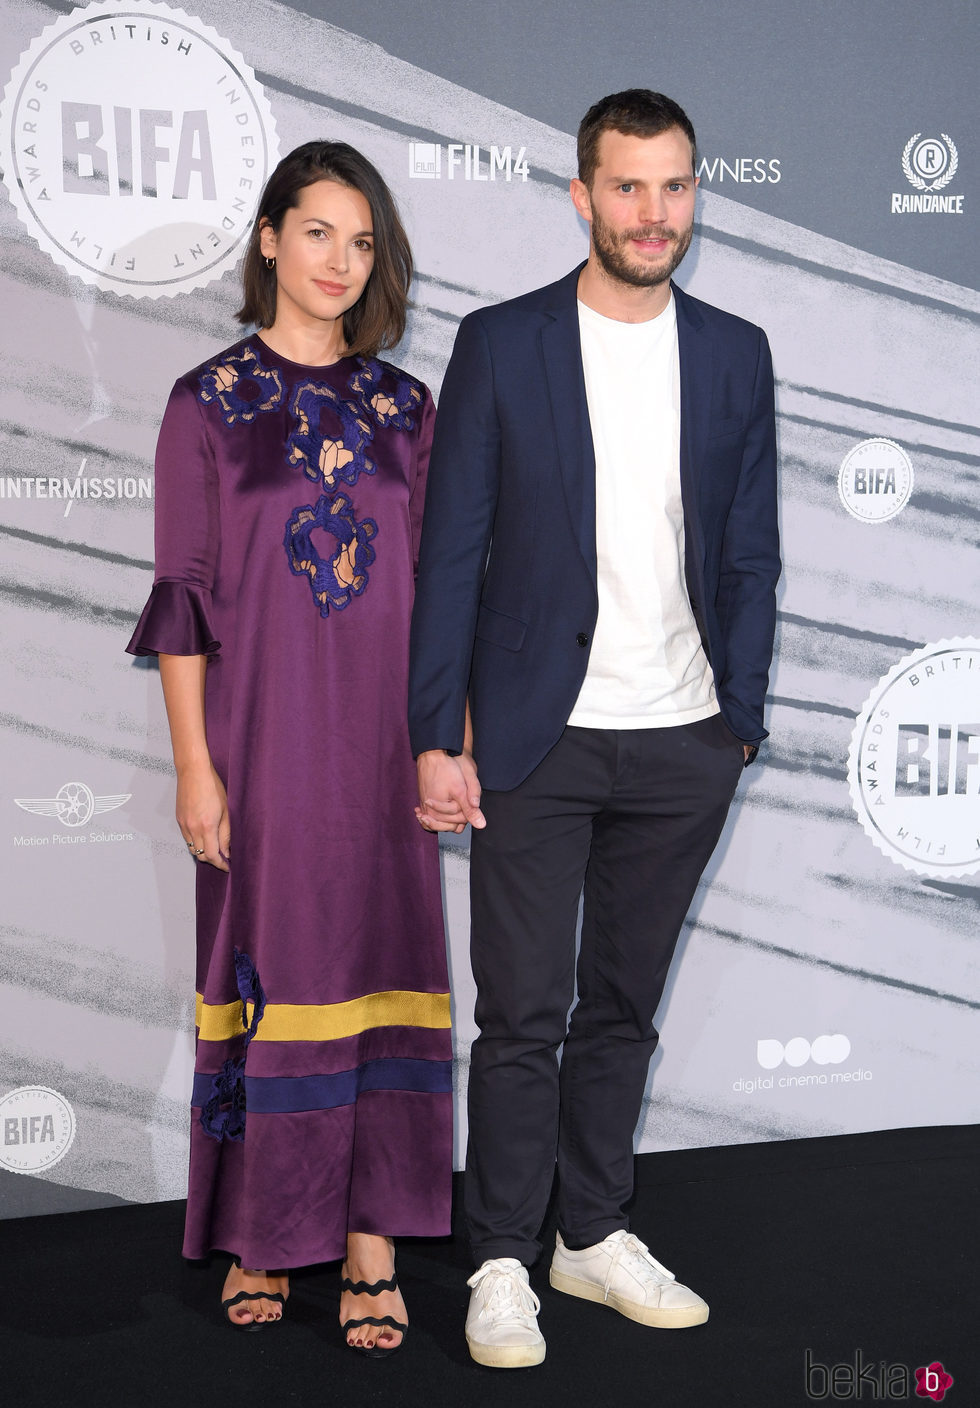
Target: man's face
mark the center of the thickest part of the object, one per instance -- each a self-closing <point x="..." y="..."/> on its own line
<point x="640" y="206"/>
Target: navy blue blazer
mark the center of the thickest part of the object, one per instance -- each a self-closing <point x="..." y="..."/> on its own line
<point x="506" y="599"/>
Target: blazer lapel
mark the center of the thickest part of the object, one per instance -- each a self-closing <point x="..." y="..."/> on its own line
<point x="561" y="351"/>
<point x="695" y="356"/>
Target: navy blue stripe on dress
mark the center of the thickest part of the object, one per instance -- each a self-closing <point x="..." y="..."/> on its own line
<point x="281" y="1095"/>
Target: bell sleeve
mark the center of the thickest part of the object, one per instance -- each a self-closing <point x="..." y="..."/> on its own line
<point x="178" y="617"/>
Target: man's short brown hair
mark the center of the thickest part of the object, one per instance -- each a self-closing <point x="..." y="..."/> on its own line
<point x="637" y="112"/>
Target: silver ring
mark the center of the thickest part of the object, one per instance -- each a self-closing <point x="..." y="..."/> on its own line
<point x="199" y="850"/>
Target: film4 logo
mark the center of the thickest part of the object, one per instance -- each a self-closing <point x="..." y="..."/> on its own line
<point x="888" y="1382"/>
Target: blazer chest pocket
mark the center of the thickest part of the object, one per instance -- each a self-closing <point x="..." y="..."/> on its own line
<point x="500" y="629"/>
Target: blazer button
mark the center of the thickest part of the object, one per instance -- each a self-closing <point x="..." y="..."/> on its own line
<point x="581" y="639"/>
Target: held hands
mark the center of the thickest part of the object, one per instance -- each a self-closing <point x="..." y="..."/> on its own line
<point x="449" y="792"/>
<point x="202" y="815"/>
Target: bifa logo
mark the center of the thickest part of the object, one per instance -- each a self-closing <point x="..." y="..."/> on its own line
<point x="914" y="761"/>
<point x="875" y="480"/>
<point x="37" y="1127"/>
<point x="466" y="161"/>
<point x="741" y="170"/>
<point x="28" y="1129"/>
<point x="135" y="143"/>
<point x="824" y="1051"/>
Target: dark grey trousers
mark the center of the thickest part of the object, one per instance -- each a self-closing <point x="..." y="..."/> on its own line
<point x="631" y="816"/>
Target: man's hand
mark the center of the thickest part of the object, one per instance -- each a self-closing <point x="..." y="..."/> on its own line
<point x="449" y="792"/>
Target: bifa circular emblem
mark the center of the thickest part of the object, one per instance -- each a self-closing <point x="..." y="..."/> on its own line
<point x="914" y="761"/>
<point x="135" y="145"/>
<point x="875" y="480"/>
<point x="37" y="1126"/>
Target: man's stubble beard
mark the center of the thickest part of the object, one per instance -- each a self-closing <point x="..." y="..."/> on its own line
<point x="610" y="253"/>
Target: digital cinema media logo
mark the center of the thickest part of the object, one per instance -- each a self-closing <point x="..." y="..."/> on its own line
<point x="830" y="1049"/>
<point x="914" y="760"/>
<point x="135" y="143"/>
<point x="875" y="480"/>
<point x="37" y="1127"/>
<point x="929" y="164"/>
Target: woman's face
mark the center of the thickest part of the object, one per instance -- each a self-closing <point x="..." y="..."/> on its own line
<point x="324" y="253"/>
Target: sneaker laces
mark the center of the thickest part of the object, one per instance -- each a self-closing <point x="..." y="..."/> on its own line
<point x="627" y="1250"/>
<point x="509" y="1294"/>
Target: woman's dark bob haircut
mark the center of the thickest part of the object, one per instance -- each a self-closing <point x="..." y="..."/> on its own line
<point x="377" y="319"/>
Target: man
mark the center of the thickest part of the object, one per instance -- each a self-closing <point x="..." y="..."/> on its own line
<point x="596" y="588"/>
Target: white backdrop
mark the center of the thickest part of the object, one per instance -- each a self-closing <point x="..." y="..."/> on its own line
<point x="828" y="980"/>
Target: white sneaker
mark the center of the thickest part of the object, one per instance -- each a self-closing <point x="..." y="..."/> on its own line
<point x="501" y="1323"/>
<point x="621" y="1272"/>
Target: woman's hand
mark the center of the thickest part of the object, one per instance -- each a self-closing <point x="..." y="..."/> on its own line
<point x="202" y="815"/>
<point x="449" y="792"/>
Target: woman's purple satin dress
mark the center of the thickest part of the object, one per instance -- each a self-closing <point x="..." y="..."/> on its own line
<point x="289" y="501"/>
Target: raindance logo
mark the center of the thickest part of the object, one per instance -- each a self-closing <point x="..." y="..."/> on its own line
<point x="465" y="161"/>
<point x="73" y="805"/>
<point x="914" y="761"/>
<point x="135" y="143"/>
<point x="929" y="164"/>
<point x="37" y="1126"/>
<point x="875" y="480"/>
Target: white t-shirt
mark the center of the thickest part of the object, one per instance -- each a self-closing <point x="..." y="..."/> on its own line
<point x="647" y="667"/>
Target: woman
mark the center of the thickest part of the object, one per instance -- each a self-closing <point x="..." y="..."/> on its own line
<point x="290" y="483"/>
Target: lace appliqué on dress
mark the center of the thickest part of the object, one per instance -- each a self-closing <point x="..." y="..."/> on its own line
<point x="336" y="580"/>
<point x="223" y="1113"/>
<point x="242" y="386"/>
<point x="392" y="404"/>
<point x="330" y="436"/>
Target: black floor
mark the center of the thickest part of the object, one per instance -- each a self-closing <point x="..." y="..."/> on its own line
<point x="858" y="1251"/>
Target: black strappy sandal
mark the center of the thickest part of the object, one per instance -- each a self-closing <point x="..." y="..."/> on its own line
<point x="252" y="1324"/>
<point x="361" y="1288"/>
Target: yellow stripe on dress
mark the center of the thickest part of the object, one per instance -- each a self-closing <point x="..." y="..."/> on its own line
<point x="285" y="1021"/>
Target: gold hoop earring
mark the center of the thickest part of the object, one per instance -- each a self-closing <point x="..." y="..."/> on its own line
<point x="269" y="263"/>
